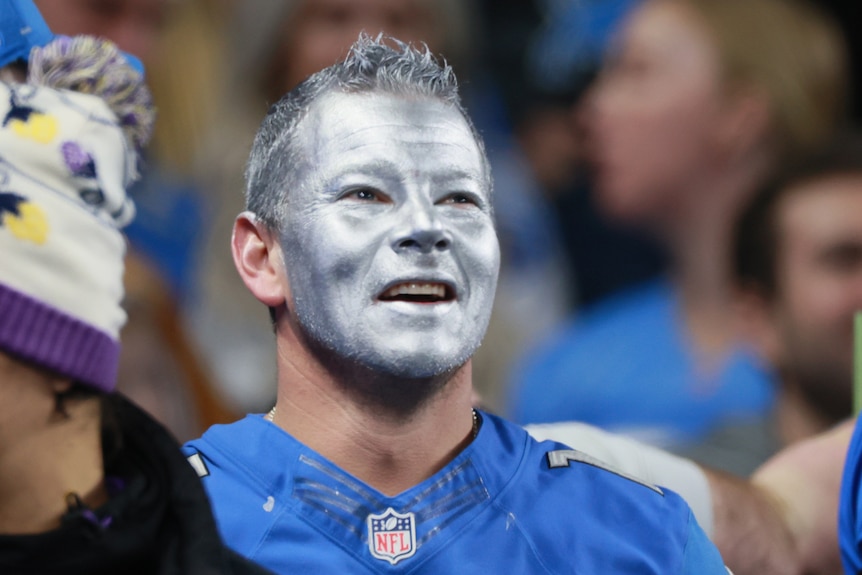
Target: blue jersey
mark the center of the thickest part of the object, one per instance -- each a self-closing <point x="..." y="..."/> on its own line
<point x="505" y="504"/>
<point x="850" y="508"/>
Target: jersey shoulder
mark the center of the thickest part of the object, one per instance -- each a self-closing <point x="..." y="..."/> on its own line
<point x="570" y="502"/>
<point x="562" y="472"/>
<point x="240" y="492"/>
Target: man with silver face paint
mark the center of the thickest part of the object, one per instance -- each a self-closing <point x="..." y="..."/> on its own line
<point x="369" y="235"/>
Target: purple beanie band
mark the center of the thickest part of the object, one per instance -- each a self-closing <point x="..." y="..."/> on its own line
<point x="39" y="333"/>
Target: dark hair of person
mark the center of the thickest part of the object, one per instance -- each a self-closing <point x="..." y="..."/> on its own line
<point x="756" y="245"/>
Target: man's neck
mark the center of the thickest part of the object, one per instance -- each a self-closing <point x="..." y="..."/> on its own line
<point x="389" y="451"/>
<point x="38" y="470"/>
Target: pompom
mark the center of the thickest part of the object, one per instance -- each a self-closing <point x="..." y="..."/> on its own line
<point x="95" y="66"/>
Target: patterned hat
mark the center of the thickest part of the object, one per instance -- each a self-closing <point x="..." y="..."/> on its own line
<point x="66" y="160"/>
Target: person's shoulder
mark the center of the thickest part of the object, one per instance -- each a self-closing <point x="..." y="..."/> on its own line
<point x="572" y="471"/>
<point x="225" y="434"/>
<point x="645" y="461"/>
<point x="560" y="472"/>
<point x="229" y="450"/>
<point x="239" y="471"/>
<point x="567" y="499"/>
<point x="231" y="436"/>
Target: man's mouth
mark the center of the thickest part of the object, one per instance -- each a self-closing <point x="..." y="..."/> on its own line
<point x="418" y="292"/>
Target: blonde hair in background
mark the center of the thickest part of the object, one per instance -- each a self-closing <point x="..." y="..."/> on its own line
<point x="188" y="81"/>
<point x="793" y="53"/>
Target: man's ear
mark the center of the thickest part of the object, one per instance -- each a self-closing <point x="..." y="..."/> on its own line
<point x="257" y="256"/>
<point x="758" y="323"/>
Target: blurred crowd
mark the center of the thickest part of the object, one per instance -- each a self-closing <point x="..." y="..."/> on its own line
<point x="647" y="286"/>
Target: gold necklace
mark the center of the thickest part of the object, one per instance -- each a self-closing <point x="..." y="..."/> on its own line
<point x="271" y="416"/>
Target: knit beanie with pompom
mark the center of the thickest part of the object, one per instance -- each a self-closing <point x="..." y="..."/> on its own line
<point x="70" y="143"/>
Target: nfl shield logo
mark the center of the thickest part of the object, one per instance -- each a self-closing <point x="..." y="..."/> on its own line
<point x="392" y="535"/>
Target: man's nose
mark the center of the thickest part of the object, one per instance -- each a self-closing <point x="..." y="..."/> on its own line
<point x="421" y="230"/>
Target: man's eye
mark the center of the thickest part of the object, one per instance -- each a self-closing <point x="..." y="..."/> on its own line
<point x="461" y="199"/>
<point x="364" y="194"/>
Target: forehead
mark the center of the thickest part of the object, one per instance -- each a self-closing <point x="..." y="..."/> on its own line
<point x="373" y="127"/>
<point x="667" y="30"/>
<point x="822" y="210"/>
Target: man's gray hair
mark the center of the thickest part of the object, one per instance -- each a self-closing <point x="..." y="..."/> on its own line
<point x="371" y="66"/>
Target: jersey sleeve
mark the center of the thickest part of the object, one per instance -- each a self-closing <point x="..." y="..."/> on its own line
<point x="638" y="459"/>
<point x="700" y="556"/>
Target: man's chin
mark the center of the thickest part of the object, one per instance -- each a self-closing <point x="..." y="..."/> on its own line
<point x="407" y="356"/>
<point x="416" y="365"/>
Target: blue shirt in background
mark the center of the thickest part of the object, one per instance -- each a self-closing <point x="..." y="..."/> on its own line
<point x="625" y="365"/>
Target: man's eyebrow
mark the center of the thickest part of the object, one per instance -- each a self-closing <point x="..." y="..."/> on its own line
<point x="388" y="169"/>
<point x="457" y="174"/>
<point x="380" y="166"/>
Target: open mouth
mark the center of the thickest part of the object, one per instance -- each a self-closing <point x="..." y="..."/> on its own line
<point x="415" y="292"/>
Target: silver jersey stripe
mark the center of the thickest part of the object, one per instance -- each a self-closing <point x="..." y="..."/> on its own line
<point x="562" y="458"/>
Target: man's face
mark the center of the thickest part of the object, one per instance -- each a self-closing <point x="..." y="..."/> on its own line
<point x="388" y="238"/>
<point x="819" y="281"/>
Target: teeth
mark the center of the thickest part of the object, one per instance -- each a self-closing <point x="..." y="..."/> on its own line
<point x="430" y="290"/>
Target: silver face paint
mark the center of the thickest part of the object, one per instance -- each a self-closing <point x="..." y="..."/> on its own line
<point x="391" y="212"/>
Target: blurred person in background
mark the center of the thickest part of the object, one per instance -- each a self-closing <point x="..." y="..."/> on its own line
<point x="559" y="50"/>
<point x="180" y="43"/>
<point x="797" y="268"/>
<point x="698" y="103"/>
<point x="160" y="368"/>
<point x="184" y="76"/>
<point x="559" y="255"/>
<point x="89" y="483"/>
<point x="797" y="264"/>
